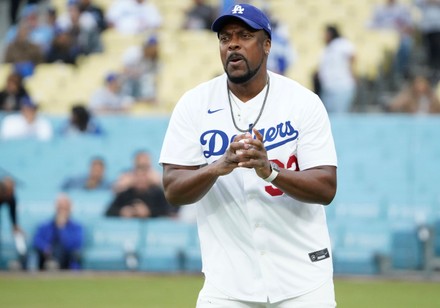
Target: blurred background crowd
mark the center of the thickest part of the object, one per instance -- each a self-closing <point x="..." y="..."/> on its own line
<point x="104" y="75"/>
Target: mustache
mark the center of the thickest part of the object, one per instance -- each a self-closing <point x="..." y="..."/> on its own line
<point x="235" y="56"/>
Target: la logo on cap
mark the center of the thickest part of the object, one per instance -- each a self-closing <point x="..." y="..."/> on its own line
<point x="237" y="9"/>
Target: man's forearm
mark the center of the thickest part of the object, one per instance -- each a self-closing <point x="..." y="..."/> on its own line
<point x="188" y="185"/>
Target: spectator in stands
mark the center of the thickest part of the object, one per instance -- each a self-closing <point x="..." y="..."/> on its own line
<point x="418" y="97"/>
<point x="110" y="98"/>
<point x="141" y="160"/>
<point x="200" y="16"/>
<point x="142" y="200"/>
<point x="8" y="198"/>
<point x="133" y="16"/>
<point x="13" y="92"/>
<point x="336" y="72"/>
<point x="397" y="17"/>
<point x="63" y="49"/>
<point x="96" y="11"/>
<point x="282" y="55"/>
<point x="59" y="241"/>
<point x="429" y="26"/>
<point x="14" y="6"/>
<point x="23" y="52"/>
<point x="81" y="122"/>
<point x="39" y="32"/>
<point x="141" y="67"/>
<point x="94" y="180"/>
<point x="26" y="124"/>
<point x="82" y="28"/>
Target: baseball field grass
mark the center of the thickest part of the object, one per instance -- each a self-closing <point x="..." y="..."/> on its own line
<point x="180" y="291"/>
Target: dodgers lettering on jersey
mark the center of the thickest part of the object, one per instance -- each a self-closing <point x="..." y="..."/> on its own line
<point x="216" y="141"/>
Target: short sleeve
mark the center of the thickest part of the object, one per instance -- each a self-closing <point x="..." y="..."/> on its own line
<point x="315" y="145"/>
<point x="181" y="143"/>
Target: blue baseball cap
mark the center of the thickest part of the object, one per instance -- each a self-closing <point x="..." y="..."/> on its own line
<point x="26" y="101"/>
<point x="247" y="13"/>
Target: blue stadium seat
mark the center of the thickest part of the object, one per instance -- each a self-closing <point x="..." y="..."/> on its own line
<point x="436" y="230"/>
<point x="108" y="240"/>
<point x="406" y="250"/>
<point x="90" y="205"/>
<point x="359" y="245"/>
<point x="192" y="253"/>
<point x="163" y="245"/>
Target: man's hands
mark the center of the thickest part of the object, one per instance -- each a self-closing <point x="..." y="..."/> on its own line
<point x="246" y="152"/>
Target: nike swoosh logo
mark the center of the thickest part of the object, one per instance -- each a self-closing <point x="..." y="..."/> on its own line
<point x="214" y="111"/>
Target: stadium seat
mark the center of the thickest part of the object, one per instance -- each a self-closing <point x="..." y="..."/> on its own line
<point x="359" y="246"/>
<point x="109" y="241"/>
<point x="163" y="245"/>
<point x="192" y="253"/>
<point x="406" y="251"/>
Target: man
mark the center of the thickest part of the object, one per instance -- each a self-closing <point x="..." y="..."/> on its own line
<point x="7" y="197"/>
<point x="254" y="151"/>
<point x="143" y="199"/>
<point x="336" y="72"/>
<point x="27" y="124"/>
<point x="94" y="180"/>
<point x="395" y="16"/>
<point x="59" y="241"/>
<point x="109" y="98"/>
<point x="141" y="160"/>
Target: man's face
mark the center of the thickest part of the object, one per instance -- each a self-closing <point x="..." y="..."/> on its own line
<point x="242" y="50"/>
<point x="97" y="169"/>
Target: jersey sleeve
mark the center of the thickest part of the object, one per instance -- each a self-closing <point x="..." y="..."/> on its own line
<point x="315" y="145"/>
<point x="181" y="144"/>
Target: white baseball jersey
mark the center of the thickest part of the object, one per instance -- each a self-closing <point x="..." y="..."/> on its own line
<point x="257" y="243"/>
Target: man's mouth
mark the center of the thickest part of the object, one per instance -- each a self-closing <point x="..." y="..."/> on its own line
<point x="235" y="58"/>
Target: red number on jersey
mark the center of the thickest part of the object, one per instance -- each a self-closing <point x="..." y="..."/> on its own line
<point x="272" y="190"/>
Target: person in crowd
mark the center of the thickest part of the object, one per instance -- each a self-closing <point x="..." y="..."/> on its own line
<point x="81" y="122"/>
<point x="59" y="241"/>
<point x="8" y="198"/>
<point x="417" y="97"/>
<point x="82" y="27"/>
<point x="39" y="32"/>
<point x="23" y="52"/>
<point x="429" y="27"/>
<point x="95" y="179"/>
<point x="110" y="98"/>
<point x="97" y="12"/>
<point x="133" y="16"/>
<point x="141" y="160"/>
<point x="141" y="67"/>
<point x="143" y="199"/>
<point x="199" y="16"/>
<point x="336" y="72"/>
<point x="282" y="54"/>
<point x="14" y="7"/>
<point x="397" y="17"/>
<point x="63" y="49"/>
<point x="12" y="93"/>
<point x="27" y="124"/>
